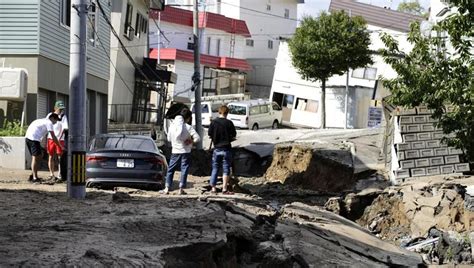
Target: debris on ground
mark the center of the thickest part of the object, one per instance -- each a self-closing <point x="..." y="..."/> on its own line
<point x="182" y="232"/>
<point x="440" y="247"/>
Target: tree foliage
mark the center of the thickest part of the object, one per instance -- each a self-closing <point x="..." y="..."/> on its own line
<point x="439" y="71"/>
<point x="329" y="45"/>
<point x="412" y="7"/>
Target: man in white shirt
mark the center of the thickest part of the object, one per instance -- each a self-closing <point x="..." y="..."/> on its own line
<point x="60" y="130"/>
<point x="182" y="137"/>
<point x="35" y="132"/>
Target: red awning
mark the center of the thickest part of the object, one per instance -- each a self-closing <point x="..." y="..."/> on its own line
<point x="206" y="20"/>
<point x="206" y="60"/>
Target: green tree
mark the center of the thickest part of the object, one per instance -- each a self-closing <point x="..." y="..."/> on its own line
<point x="412" y="7"/>
<point x="329" y="45"/>
<point x="437" y="74"/>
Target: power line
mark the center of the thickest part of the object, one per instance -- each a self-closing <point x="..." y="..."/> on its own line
<point x="108" y="56"/>
<point x="124" y="49"/>
<point x="159" y="30"/>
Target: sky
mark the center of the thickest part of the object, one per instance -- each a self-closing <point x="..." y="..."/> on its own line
<point x="313" y="7"/>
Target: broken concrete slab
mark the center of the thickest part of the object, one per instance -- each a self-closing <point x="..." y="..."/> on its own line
<point x="418" y="207"/>
<point x="332" y="237"/>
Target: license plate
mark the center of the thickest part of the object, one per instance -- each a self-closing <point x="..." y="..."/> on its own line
<point x="125" y="163"/>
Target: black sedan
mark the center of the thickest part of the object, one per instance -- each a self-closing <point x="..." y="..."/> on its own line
<point x="117" y="160"/>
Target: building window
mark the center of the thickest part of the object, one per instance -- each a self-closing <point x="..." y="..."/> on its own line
<point x="144" y="25"/>
<point x="208" y="46"/>
<point x="287" y="13"/>
<point x="128" y="19"/>
<point x="270" y="44"/>
<point x="365" y="73"/>
<point x="218" y="47"/>
<point x="139" y="25"/>
<point x="92" y="24"/>
<point x="249" y="42"/>
<point x="283" y="100"/>
<point x="269" y="7"/>
<point x="307" y="105"/>
<point x="65" y="13"/>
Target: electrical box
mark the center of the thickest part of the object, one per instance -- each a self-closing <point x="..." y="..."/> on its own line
<point x="13" y="84"/>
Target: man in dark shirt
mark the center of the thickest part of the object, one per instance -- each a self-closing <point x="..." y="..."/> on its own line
<point x="222" y="133"/>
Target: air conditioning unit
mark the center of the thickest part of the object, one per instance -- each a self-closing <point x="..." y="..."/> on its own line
<point x="13" y="83"/>
<point x="130" y="33"/>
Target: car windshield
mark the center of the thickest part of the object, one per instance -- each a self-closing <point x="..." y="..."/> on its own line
<point x="122" y="143"/>
<point x="237" y="110"/>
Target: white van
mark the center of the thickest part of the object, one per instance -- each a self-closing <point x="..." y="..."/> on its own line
<point x="210" y="106"/>
<point x="209" y="112"/>
<point x="254" y="114"/>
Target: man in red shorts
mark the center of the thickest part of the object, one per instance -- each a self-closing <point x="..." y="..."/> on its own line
<point x="55" y="151"/>
<point x="35" y="132"/>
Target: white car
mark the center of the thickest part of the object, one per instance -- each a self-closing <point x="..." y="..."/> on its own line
<point x="255" y="114"/>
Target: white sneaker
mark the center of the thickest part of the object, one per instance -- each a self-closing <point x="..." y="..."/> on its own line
<point x="164" y="191"/>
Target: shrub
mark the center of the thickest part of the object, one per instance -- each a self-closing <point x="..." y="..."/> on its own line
<point x="12" y="129"/>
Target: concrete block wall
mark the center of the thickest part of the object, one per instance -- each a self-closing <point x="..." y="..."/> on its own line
<point x="422" y="152"/>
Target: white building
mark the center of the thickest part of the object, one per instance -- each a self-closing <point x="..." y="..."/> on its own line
<point x="267" y="21"/>
<point x="222" y="49"/>
<point x="300" y="99"/>
<point x="439" y="10"/>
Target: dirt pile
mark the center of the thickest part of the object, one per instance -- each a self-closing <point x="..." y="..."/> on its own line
<point x="328" y="169"/>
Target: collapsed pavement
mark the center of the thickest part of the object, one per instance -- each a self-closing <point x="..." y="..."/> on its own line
<point x="431" y="216"/>
<point x="404" y="216"/>
<point x="136" y="230"/>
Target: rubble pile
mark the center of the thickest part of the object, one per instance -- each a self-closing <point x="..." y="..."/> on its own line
<point x="437" y="205"/>
<point x="311" y="166"/>
<point x="433" y="219"/>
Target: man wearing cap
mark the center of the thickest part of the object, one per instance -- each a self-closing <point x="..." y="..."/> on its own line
<point x="35" y="132"/>
<point x="60" y="130"/>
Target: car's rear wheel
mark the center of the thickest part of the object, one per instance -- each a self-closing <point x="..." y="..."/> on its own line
<point x="255" y="126"/>
<point x="275" y="124"/>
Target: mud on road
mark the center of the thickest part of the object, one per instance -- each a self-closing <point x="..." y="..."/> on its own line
<point x="41" y="226"/>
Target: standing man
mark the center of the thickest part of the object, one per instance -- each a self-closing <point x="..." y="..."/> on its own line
<point x="60" y="130"/>
<point x="222" y="133"/>
<point x="182" y="137"/>
<point x="35" y="132"/>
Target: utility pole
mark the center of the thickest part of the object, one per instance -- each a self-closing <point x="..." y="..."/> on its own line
<point x="159" y="37"/>
<point x="197" y="75"/>
<point x="76" y="181"/>
<point x="346" y="97"/>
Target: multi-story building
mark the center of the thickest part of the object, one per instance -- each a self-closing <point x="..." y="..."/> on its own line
<point x="133" y="97"/>
<point x="35" y="35"/>
<point x="222" y="48"/>
<point x="348" y="97"/>
<point x="268" y="21"/>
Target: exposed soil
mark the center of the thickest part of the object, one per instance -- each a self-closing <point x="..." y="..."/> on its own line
<point x="41" y="226"/>
<point x="276" y="220"/>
